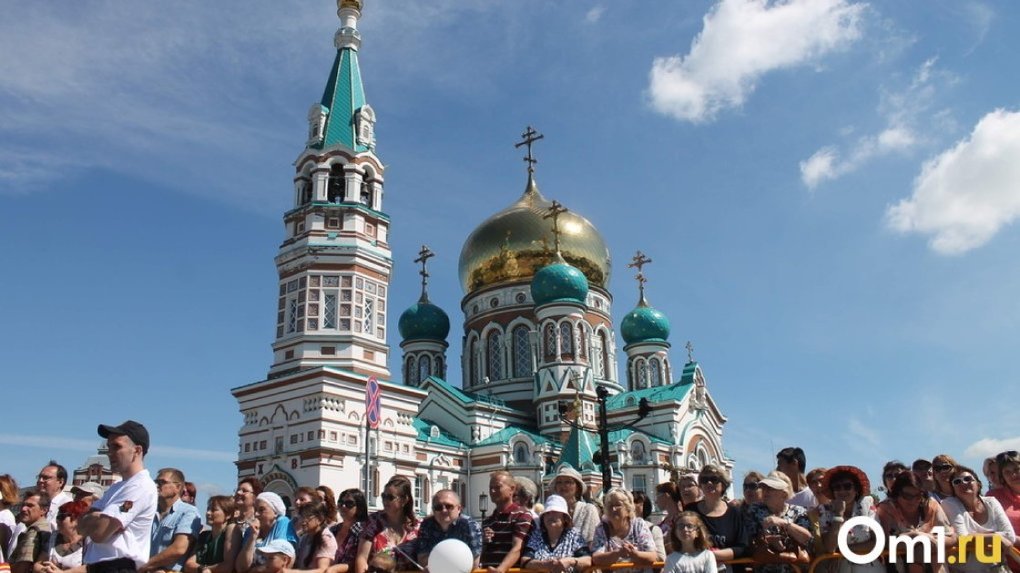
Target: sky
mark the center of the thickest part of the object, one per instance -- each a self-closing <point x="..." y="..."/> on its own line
<point x="827" y="189"/>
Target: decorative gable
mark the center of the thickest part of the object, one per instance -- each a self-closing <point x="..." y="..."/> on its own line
<point x="364" y="120"/>
<point x="316" y="123"/>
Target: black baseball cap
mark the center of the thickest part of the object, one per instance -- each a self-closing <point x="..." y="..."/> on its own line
<point x="132" y="429"/>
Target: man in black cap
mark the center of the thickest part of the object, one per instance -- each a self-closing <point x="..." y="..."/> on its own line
<point x="119" y="525"/>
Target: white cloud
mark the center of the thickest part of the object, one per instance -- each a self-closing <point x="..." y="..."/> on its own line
<point x="905" y="112"/>
<point x="818" y="167"/>
<point x="741" y="41"/>
<point x="595" y="14"/>
<point x="989" y="447"/>
<point x="966" y="194"/>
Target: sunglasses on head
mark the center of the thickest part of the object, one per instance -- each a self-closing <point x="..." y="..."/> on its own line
<point x="963" y="479"/>
<point x="843" y="486"/>
<point x="1011" y="456"/>
<point x="348" y="503"/>
<point x="439" y="506"/>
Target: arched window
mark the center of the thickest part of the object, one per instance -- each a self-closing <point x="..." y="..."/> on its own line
<point x="438" y="368"/>
<point x="335" y="186"/>
<point x="641" y="369"/>
<point x="494" y="349"/>
<point x="638" y="453"/>
<point x="365" y="195"/>
<point x="654" y="373"/>
<point x="472" y="375"/>
<point x="582" y="341"/>
<point x="522" y="352"/>
<point x="566" y="339"/>
<point x="598" y="360"/>
<point x="424" y="367"/>
<point x="410" y="372"/>
<point x="521" y="453"/>
<point x="604" y="355"/>
<point x="550" y="341"/>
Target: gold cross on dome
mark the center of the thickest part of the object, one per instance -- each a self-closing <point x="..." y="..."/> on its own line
<point x="423" y="257"/>
<point x="638" y="262"/>
<point x="529" y="137"/>
<point x="555" y="210"/>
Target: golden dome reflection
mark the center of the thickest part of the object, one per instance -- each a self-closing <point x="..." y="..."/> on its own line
<point x="516" y="242"/>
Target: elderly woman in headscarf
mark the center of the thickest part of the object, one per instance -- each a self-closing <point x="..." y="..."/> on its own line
<point x="569" y="485"/>
<point x="847" y="489"/>
<point x="271" y="523"/>
<point x="775" y="526"/>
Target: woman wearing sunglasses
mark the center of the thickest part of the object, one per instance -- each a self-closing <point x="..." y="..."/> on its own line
<point x="353" y="509"/>
<point x="389" y="534"/>
<point x="1008" y="493"/>
<point x="908" y="511"/>
<point x="943" y="465"/>
<point x="725" y="523"/>
<point x="847" y="489"/>
<point x="971" y="513"/>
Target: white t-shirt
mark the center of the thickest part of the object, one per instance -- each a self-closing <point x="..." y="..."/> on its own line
<point x="7" y="518"/>
<point x="677" y="562"/>
<point x="804" y="498"/>
<point x="964" y="524"/>
<point x="132" y="502"/>
<point x="55" y="503"/>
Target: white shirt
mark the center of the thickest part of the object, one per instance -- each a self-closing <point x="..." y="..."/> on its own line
<point x="131" y="502"/>
<point x="7" y="518"/>
<point x="55" y="503"/>
<point x="804" y="498"/>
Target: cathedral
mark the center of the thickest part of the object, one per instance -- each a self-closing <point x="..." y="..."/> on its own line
<point x="543" y="377"/>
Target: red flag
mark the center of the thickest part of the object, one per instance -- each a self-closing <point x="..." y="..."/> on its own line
<point x="372" y="396"/>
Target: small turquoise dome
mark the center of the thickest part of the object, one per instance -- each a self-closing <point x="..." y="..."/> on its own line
<point x="424" y="321"/>
<point x="644" y="323"/>
<point x="559" y="282"/>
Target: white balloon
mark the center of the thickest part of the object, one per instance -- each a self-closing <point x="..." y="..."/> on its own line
<point x="451" y="556"/>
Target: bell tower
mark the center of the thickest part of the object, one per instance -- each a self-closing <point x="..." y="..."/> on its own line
<point x="335" y="262"/>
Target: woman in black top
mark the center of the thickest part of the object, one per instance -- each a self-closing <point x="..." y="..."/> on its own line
<point x="725" y="523"/>
<point x="217" y="547"/>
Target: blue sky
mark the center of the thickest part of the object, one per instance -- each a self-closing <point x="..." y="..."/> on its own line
<point x="827" y="189"/>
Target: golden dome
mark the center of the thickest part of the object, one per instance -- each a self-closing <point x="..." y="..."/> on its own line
<point x="516" y="242"/>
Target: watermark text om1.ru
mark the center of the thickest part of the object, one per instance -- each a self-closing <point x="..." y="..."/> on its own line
<point x="912" y="543"/>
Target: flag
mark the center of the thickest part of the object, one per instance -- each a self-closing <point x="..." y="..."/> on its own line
<point x="372" y="396"/>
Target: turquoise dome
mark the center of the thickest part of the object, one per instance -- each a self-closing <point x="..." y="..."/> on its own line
<point x="644" y="323"/>
<point x="559" y="282"/>
<point x="424" y="321"/>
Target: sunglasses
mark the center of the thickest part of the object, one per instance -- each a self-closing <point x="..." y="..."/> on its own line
<point x="163" y="482"/>
<point x="348" y="503"/>
<point x="963" y="479"/>
<point x="388" y="497"/>
<point x="439" y="506"/>
<point x="709" y="480"/>
<point x="62" y="516"/>
<point x="942" y="467"/>
<point x="890" y="475"/>
<point x="751" y="486"/>
<point x="1011" y="456"/>
<point x="843" y="486"/>
<point x="687" y="527"/>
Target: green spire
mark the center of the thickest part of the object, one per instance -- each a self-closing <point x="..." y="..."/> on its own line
<point x="342" y="116"/>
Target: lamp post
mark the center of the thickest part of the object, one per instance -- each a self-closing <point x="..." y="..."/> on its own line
<point x="483" y="500"/>
<point x="603" y="428"/>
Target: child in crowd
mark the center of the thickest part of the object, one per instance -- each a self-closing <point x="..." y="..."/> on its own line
<point x="691" y="546"/>
<point x="279" y="555"/>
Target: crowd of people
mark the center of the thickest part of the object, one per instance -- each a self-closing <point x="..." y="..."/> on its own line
<point x="781" y="518"/>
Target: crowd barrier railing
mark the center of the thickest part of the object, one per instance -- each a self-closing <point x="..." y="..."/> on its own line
<point x="1012" y="553"/>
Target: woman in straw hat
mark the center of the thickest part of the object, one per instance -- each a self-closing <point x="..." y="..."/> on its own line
<point x="847" y="487"/>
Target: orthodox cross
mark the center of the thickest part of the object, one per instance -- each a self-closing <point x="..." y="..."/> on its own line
<point x="529" y="137"/>
<point x="638" y="262"/>
<point x="555" y="210"/>
<point x="690" y="351"/>
<point x="423" y="256"/>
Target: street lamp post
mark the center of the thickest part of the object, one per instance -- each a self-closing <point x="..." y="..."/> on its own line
<point x="602" y="396"/>
<point x="483" y="500"/>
